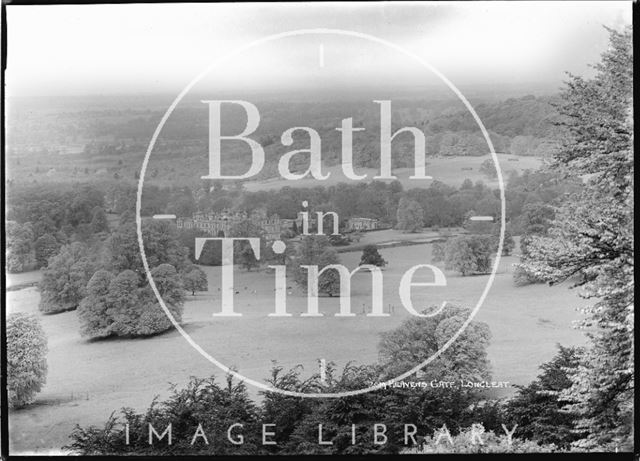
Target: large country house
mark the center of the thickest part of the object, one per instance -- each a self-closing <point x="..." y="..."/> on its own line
<point x="220" y="224"/>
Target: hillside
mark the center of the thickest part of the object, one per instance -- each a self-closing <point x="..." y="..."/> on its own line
<point x="84" y="143"/>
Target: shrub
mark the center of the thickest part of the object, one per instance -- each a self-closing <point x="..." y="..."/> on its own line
<point x="26" y="358"/>
<point x="523" y="277"/>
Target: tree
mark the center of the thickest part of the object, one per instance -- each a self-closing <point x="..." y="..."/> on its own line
<point x="247" y="258"/>
<point x="437" y="252"/>
<point x="336" y="240"/>
<point x="537" y="408"/>
<point x="99" y="221"/>
<point x="467" y="441"/>
<point x="591" y="240"/>
<point x="211" y="254"/>
<point x="169" y="286"/>
<point x="202" y="401"/>
<point x="469" y="254"/>
<point x="45" y="247"/>
<point x="19" y="246"/>
<point x="194" y="279"/>
<point x="82" y="200"/>
<point x="243" y="251"/>
<point x="535" y="218"/>
<point x="65" y="278"/>
<point x="370" y="255"/>
<point x="467" y="184"/>
<point x="93" y="312"/>
<point x="161" y="244"/>
<point x="523" y="145"/>
<point x="26" y="355"/>
<point x="410" y="215"/>
<point x="119" y="306"/>
<point x="316" y="250"/>
<point x="418" y="338"/>
<point x="329" y="281"/>
<point x="508" y="243"/>
<point x="183" y="205"/>
<point x="488" y="168"/>
<point x="127" y="216"/>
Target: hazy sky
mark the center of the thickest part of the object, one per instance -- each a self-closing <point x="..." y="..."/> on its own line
<point x="80" y="49"/>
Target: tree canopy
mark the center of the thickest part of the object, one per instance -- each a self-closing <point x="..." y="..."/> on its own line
<point x="591" y="240"/>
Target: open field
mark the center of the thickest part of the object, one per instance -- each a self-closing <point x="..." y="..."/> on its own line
<point x="23" y="279"/>
<point x="449" y="170"/>
<point x="389" y="238"/>
<point x="70" y="168"/>
<point x="89" y="380"/>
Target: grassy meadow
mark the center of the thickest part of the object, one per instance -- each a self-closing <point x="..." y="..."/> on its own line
<point x="451" y="170"/>
<point x="87" y="380"/>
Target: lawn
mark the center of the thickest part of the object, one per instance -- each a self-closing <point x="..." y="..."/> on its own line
<point x="89" y="380"/>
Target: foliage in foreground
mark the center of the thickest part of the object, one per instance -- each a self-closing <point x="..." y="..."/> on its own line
<point x="537" y="408"/>
<point x="202" y="401"/>
<point x="476" y="440"/>
<point x="591" y="241"/>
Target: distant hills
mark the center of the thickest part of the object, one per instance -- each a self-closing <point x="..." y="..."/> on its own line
<point x="89" y="138"/>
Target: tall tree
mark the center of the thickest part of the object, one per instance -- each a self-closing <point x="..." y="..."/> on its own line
<point x="316" y="250"/>
<point x="194" y="279"/>
<point x="45" y="247"/>
<point x="537" y="409"/>
<point x="161" y="244"/>
<point x="19" y="246"/>
<point x="119" y="306"/>
<point x="65" y="279"/>
<point x="591" y="241"/>
<point x="410" y="215"/>
<point x="469" y="254"/>
<point x="26" y="358"/>
<point x="99" y="221"/>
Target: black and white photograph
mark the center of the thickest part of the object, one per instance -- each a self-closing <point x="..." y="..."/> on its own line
<point x="318" y="228"/>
